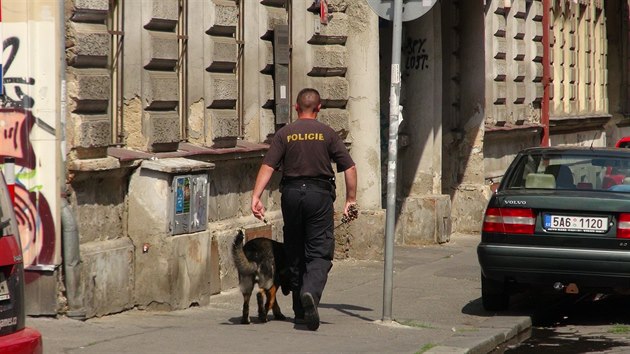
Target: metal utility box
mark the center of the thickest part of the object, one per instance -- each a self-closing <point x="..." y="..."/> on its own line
<point x="189" y="203"/>
<point x="179" y="191"/>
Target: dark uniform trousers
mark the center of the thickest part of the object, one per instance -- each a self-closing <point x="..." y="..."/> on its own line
<point x="307" y="210"/>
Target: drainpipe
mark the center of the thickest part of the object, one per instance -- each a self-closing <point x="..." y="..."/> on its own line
<point x="546" y="80"/>
<point x="71" y="262"/>
<point x="70" y="233"/>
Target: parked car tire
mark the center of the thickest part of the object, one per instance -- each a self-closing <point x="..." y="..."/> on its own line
<point x="494" y="294"/>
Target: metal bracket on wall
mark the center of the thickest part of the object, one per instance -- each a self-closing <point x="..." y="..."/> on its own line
<point x="281" y="58"/>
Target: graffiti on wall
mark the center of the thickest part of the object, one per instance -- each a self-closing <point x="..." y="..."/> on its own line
<point x="17" y="99"/>
<point x="33" y="212"/>
<point x="416" y="54"/>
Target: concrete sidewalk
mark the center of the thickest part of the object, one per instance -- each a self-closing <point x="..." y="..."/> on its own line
<point x="436" y="307"/>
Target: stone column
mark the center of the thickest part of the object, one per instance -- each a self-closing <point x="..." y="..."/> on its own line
<point x="363" y="102"/>
<point x="425" y="212"/>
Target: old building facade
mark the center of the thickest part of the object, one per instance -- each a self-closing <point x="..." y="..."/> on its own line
<point x="556" y="74"/>
<point x="196" y="88"/>
<point x="138" y="126"/>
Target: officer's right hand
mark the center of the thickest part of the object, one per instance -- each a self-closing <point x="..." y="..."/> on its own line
<point x="258" y="209"/>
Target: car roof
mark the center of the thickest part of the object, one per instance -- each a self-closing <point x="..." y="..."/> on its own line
<point x="579" y="150"/>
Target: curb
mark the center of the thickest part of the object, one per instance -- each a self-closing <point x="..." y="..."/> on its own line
<point x="492" y="333"/>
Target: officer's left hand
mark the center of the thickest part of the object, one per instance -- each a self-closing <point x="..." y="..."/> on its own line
<point x="350" y="212"/>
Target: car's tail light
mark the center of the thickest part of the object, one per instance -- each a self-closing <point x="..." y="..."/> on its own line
<point x="510" y="221"/>
<point x="623" y="225"/>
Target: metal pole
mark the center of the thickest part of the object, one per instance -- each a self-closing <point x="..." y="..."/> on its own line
<point x="394" y="112"/>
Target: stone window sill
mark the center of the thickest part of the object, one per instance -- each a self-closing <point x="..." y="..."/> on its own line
<point x="123" y="157"/>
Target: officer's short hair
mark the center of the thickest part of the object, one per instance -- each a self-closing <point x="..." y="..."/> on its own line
<point x="308" y="99"/>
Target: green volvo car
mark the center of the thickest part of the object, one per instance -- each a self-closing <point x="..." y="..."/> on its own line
<point x="559" y="221"/>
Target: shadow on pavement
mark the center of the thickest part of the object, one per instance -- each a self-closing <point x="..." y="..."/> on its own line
<point x="253" y="319"/>
<point x="348" y="309"/>
<point x="475" y="308"/>
<point x="549" y="310"/>
<point x="585" y="323"/>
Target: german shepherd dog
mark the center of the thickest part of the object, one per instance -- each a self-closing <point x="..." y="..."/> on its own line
<point x="261" y="261"/>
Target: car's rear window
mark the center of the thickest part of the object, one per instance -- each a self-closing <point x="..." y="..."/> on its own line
<point x="569" y="171"/>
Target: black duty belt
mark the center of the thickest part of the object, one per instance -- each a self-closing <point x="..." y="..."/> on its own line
<point x="324" y="183"/>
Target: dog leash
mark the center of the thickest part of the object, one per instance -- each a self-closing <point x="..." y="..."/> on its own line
<point x="353" y="214"/>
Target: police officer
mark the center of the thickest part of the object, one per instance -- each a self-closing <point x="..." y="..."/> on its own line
<point x="303" y="151"/>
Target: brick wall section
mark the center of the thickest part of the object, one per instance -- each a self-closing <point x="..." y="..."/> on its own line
<point x="88" y="79"/>
<point x="329" y="66"/>
<point x="515" y="62"/>
<point x="160" y="84"/>
<point x="220" y="78"/>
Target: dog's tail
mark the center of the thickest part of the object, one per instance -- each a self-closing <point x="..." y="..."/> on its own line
<point x="243" y="264"/>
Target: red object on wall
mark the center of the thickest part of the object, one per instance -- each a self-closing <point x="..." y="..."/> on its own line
<point x="323" y="12"/>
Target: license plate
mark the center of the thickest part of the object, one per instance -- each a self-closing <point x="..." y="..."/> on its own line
<point x="565" y="223"/>
<point x="4" y="288"/>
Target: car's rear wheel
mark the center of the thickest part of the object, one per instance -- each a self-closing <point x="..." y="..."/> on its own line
<point x="494" y="294"/>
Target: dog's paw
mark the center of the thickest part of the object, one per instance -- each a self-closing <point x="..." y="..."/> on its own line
<point x="245" y="320"/>
<point x="279" y="317"/>
<point x="263" y="319"/>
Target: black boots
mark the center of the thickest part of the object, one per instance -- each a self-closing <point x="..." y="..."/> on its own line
<point x="311" y="316"/>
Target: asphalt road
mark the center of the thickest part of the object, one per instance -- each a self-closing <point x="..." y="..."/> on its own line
<point x="583" y="323"/>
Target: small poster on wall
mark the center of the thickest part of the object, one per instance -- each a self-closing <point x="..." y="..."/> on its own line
<point x="182" y="195"/>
